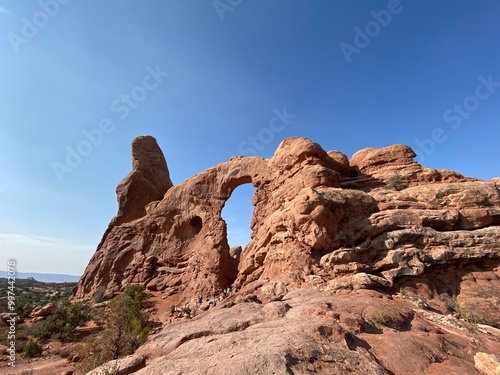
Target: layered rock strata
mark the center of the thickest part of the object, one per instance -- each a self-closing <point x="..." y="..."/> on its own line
<point x="378" y="221"/>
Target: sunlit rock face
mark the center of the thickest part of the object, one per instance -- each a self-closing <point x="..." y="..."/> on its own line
<point x="378" y="221"/>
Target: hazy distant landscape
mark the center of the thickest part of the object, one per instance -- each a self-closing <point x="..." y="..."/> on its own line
<point x="45" y="277"/>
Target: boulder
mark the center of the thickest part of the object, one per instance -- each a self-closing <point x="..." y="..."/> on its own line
<point x="272" y="291"/>
<point x="43" y="311"/>
<point x="123" y="366"/>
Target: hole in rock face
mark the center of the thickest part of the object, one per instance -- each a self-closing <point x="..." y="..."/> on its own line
<point x="196" y="224"/>
<point x="237" y="213"/>
<point x="190" y="228"/>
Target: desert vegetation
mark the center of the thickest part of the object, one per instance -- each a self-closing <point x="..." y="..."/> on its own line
<point x="89" y="335"/>
<point x="32" y="349"/>
<point x="124" y="329"/>
<point x="31" y="293"/>
<point x="395" y="183"/>
<point x="63" y="321"/>
<point x="467" y="312"/>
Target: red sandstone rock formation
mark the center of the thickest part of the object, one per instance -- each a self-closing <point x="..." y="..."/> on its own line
<point x="318" y="220"/>
<point x="148" y="181"/>
<point x="326" y="233"/>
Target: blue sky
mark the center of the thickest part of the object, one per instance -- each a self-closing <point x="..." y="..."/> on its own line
<point x="210" y="80"/>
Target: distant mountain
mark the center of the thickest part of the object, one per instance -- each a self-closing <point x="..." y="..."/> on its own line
<point x="45" y="277"/>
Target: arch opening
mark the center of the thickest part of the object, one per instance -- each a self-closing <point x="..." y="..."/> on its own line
<point x="237" y="214"/>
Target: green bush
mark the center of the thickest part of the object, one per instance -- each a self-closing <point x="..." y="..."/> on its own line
<point x="125" y="329"/>
<point x="380" y="318"/>
<point x="126" y="322"/>
<point x="468" y="313"/>
<point x="32" y="349"/>
<point x="137" y="293"/>
<point x="23" y="309"/>
<point x="186" y="311"/>
<point x="63" y="321"/>
<point x="395" y="183"/>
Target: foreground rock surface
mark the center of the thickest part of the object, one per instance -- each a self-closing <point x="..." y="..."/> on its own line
<point x="308" y="331"/>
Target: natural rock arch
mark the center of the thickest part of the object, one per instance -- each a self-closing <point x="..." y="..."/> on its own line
<point x="318" y="220"/>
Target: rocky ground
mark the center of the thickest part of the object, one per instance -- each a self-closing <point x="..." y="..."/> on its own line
<point x="307" y="331"/>
<point x="266" y="329"/>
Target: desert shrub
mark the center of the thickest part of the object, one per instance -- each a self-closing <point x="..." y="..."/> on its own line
<point x="125" y="329"/>
<point x="395" y="183"/>
<point x="23" y="309"/>
<point x="99" y="317"/>
<point x="380" y="318"/>
<point x="186" y="311"/>
<point x="32" y="349"/>
<point x="63" y="321"/>
<point x="137" y="293"/>
<point x="126" y="322"/>
<point x="94" y="353"/>
<point x="468" y="313"/>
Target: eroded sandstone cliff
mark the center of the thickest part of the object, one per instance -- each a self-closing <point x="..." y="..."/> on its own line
<point x="318" y="219"/>
<point x="322" y="226"/>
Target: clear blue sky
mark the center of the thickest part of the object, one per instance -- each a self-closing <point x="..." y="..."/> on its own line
<point x="345" y="74"/>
